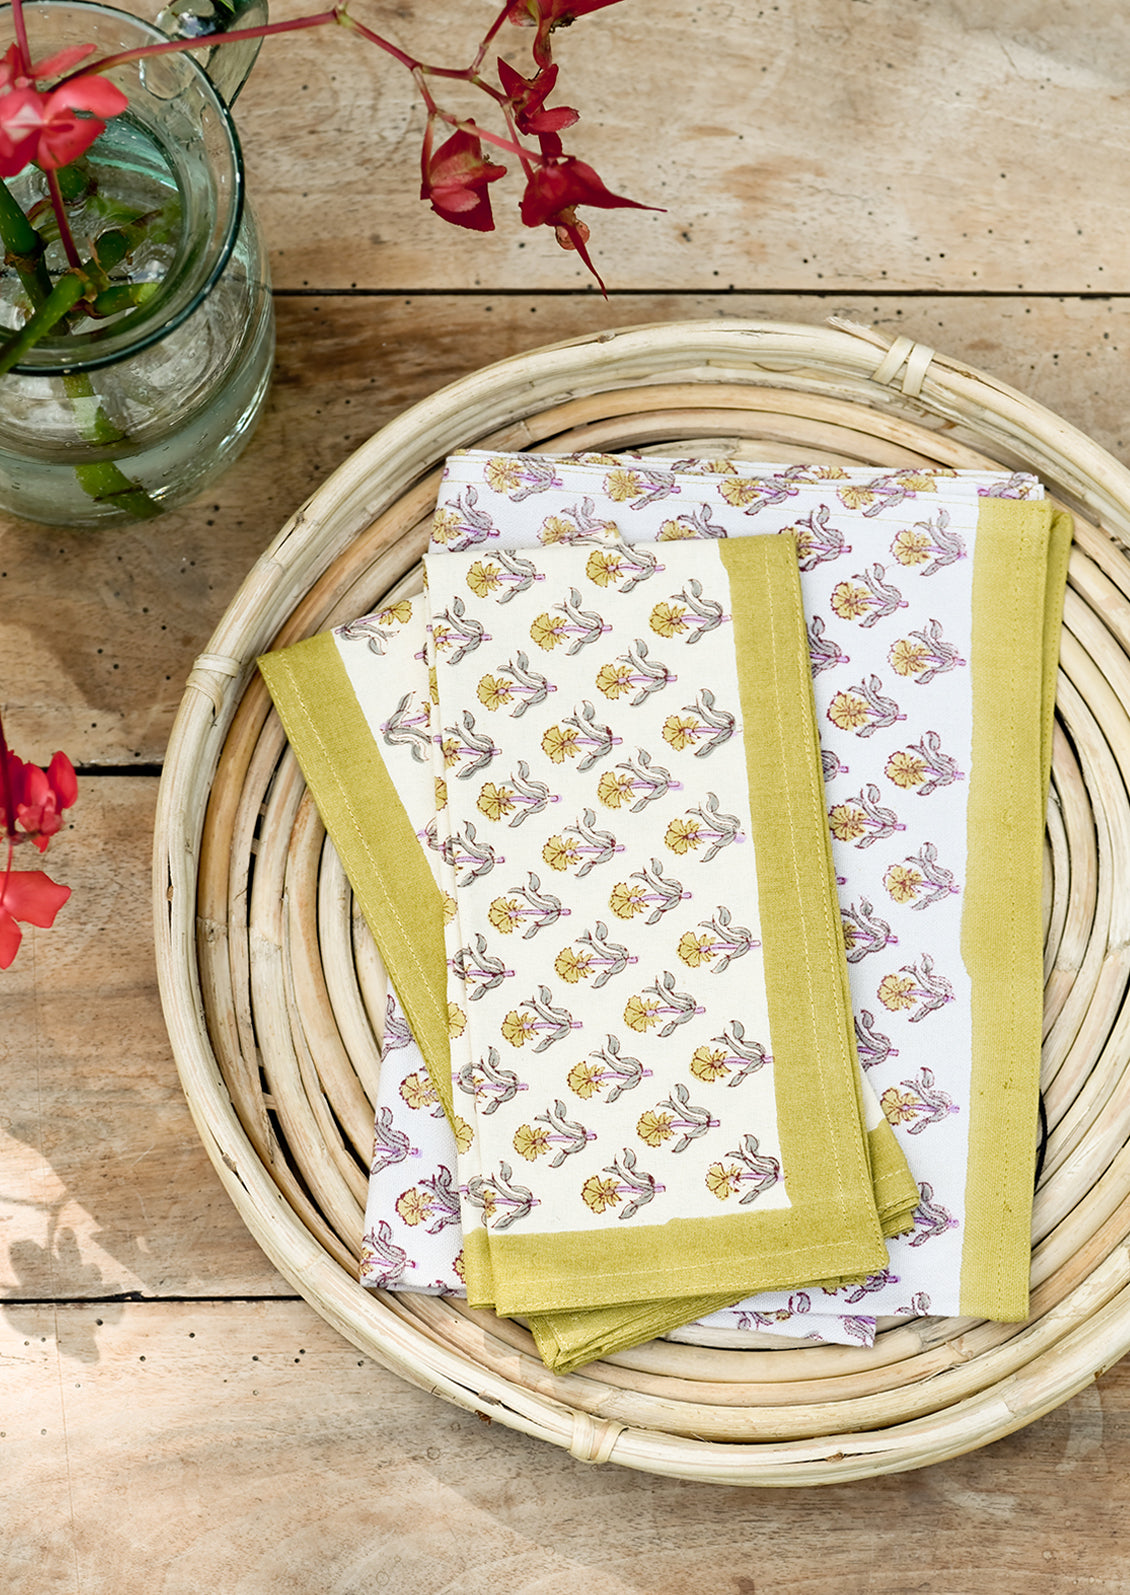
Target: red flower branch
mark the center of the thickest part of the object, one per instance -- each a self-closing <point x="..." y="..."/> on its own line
<point x="32" y="801"/>
<point x="52" y="123"/>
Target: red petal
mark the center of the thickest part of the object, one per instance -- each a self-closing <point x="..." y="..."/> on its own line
<point x="90" y="93"/>
<point x="54" y="66"/>
<point x="10" y="937"/>
<point x="31" y="895"/>
<point x="64" y="781"/>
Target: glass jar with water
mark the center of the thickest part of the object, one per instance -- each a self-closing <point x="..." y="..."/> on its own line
<point x="124" y="416"/>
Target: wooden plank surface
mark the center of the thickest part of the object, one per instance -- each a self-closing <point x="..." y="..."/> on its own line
<point x="105" y="1187"/>
<point x="169" y="1448"/>
<point x="101" y="629"/>
<point x="951" y="171"/>
<point x="802" y="144"/>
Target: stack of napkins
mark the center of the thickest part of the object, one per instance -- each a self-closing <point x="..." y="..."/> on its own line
<point x="658" y="918"/>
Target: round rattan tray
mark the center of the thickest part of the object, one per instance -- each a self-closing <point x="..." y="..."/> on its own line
<point x="272" y="987"/>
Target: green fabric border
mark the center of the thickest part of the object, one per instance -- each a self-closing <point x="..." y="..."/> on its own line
<point x="1019" y="573"/>
<point x="896" y="1191"/>
<point x="376" y="843"/>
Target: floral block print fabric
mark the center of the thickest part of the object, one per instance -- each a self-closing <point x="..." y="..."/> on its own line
<point x="608" y="973"/>
<point x="357" y="703"/>
<point x="932" y="604"/>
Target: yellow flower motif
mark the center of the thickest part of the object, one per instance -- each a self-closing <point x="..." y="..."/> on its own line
<point x="917" y="481"/>
<point x="850" y="933"/>
<point x="679" y="731"/>
<point x="849" y="601"/>
<point x="560" y="852"/>
<point x="626" y="901"/>
<point x="413" y="1207"/>
<point x="830" y="473"/>
<point x="599" y="1194"/>
<point x="740" y="490"/>
<point x="483" y="578"/>
<point x="560" y="743"/>
<point x="847" y="822"/>
<point x="716" y="468"/>
<point x="640" y="1013"/>
<point x="722" y="1181"/>
<point x="902" y="882"/>
<point x="457" y="1264"/>
<point x="898" y="1105"/>
<point x="709" y="1064"/>
<point x="441" y="636"/>
<point x="505" y="914"/>
<point x="855" y="498"/>
<point x="805" y="542"/>
<point x="573" y="966"/>
<point x="494" y="691"/>
<point x="456" y="1020"/>
<point x="450" y="908"/>
<point x="695" y="950"/>
<point x="445" y="525"/>
<point x="548" y="631"/>
<point x="614" y="790"/>
<point x="495" y="801"/>
<point x="683" y="835"/>
<point x="621" y="485"/>
<point x="441" y="794"/>
<point x="897" y="991"/>
<point x="395" y="614"/>
<point x="654" y="1127"/>
<point x="464" y="1139"/>
<point x="614" y="680"/>
<point x="531" y="1141"/>
<point x="906" y="769"/>
<point x="555" y="530"/>
<point x="490" y="1202"/>
<point x="418" y="1091"/>
<point x="668" y="620"/>
<point x="502" y="475"/>
<point x="604" y="567"/>
<point x="674" y="532"/>
<point x="517" y="1028"/>
<point x="433" y="685"/>
<point x="449" y="747"/>
<point x="848" y="711"/>
<point x="907" y="657"/>
<point x="584" y="1080"/>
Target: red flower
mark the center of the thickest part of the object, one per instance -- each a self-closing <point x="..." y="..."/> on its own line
<point x="455" y="180"/>
<point x="40" y="796"/>
<point x="554" y="190"/>
<point x="527" y="97"/>
<point x="32" y="896"/>
<point x="46" y="127"/>
<point x="546" y="15"/>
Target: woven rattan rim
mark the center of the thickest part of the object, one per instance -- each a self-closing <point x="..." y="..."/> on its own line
<point x="272" y="988"/>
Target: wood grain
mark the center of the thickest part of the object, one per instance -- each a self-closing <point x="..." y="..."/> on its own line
<point x="247" y="1448"/>
<point x="807" y="145"/>
<point x="105" y="1187"/>
<point x="101" y="628"/>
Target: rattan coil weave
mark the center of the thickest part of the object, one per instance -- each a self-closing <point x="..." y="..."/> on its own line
<point x="272" y="988"/>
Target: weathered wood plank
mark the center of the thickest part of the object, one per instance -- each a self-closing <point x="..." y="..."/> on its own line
<point x="247" y="1448"/>
<point x="101" y="628"/>
<point x="806" y="144"/>
<point x="106" y="1188"/>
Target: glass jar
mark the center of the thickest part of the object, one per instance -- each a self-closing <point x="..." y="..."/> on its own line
<point x="124" y="417"/>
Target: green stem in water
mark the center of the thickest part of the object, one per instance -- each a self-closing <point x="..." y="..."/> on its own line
<point x="23" y="248"/>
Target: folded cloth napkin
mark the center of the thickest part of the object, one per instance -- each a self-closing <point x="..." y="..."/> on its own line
<point x="340" y="767"/>
<point x="570" y="781"/>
